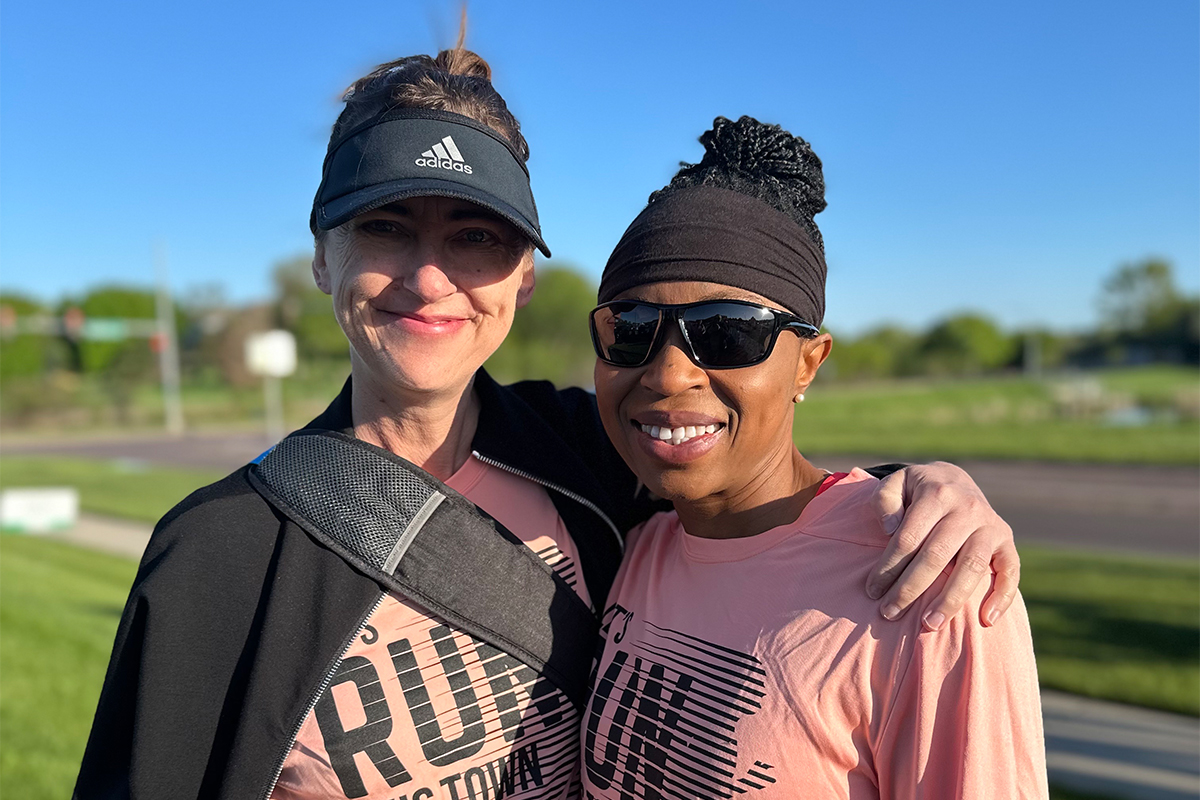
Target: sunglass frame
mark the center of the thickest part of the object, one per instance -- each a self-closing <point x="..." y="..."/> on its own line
<point x="781" y="321"/>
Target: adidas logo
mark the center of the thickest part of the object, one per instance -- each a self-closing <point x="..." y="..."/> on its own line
<point x="445" y="155"/>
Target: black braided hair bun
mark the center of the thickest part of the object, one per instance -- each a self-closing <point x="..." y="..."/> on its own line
<point x="763" y="161"/>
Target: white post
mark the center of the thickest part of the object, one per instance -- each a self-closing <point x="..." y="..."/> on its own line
<point x="1033" y="355"/>
<point x="273" y="400"/>
<point x="272" y="354"/>
<point x="168" y="350"/>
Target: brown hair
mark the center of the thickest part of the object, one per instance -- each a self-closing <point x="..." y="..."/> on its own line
<point x="457" y="80"/>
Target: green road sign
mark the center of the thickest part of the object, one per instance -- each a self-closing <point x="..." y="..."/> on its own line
<point x="102" y="329"/>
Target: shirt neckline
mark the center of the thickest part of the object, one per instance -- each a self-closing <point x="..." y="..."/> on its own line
<point x="714" y="551"/>
<point x="468" y="476"/>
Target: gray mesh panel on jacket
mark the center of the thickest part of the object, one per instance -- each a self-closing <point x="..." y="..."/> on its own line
<point x="369" y="521"/>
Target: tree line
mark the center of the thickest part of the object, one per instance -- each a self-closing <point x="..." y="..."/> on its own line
<point x="1143" y="318"/>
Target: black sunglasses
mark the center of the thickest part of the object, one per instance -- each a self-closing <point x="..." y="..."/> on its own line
<point x="720" y="334"/>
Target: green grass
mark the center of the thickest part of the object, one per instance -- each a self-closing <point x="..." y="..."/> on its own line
<point x="1117" y="628"/>
<point x="1120" y="628"/>
<point x="1159" y="381"/>
<point x="114" y="488"/>
<point x="63" y="402"/>
<point x="59" y="608"/>
<point x="1055" y="419"/>
<point x="1008" y="417"/>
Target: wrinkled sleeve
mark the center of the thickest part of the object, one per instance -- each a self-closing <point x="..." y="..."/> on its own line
<point x="964" y="719"/>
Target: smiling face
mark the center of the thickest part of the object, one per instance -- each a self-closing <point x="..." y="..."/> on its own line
<point x="737" y="423"/>
<point x="425" y="290"/>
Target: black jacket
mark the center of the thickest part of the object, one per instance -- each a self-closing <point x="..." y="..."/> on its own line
<point x="237" y="614"/>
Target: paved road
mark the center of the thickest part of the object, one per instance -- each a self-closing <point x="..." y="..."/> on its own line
<point x="1120" y="751"/>
<point x="1096" y="506"/>
<point x="221" y="451"/>
<point x="1147" y="509"/>
<point x="1092" y="746"/>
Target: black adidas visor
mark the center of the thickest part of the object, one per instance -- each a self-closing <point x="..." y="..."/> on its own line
<point x="417" y="152"/>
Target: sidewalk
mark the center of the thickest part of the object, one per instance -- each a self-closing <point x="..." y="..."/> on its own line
<point x="1092" y="746"/>
<point x="1120" y="751"/>
<point x="107" y="534"/>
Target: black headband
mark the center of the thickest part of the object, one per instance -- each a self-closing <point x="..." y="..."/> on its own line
<point x="417" y="152"/>
<point x="703" y="233"/>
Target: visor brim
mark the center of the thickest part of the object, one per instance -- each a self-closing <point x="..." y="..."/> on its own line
<point x="343" y="209"/>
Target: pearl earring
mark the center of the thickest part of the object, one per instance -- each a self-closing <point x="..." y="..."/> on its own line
<point x="799" y="398"/>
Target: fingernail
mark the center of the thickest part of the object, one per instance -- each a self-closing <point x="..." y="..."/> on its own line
<point x="874" y="592"/>
<point x="891" y="523"/>
<point x="891" y="611"/>
<point x="992" y="616"/>
<point x="934" y="619"/>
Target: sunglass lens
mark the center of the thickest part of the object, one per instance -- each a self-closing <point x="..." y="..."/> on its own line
<point x="729" y="334"/>
<point x="625" y="332"/>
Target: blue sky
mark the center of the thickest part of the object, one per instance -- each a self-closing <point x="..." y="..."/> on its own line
<point x="998" y="157"/>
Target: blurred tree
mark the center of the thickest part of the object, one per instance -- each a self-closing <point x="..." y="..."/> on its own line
<point x="121" y="366"/>
<point x="115" y="301"/>
<point x="1139" y="297"/>
<point x="307" y="312"/>
<point x="965" y="344"/>
<point x="1144" y="317"/>
<point x="1038" y="349"/>
<point x="883" y="352"/>
<point x="25" y="355"/>
<point x="33" y="369"/>
<point x="549" y="337"/>
<point x="230" y="344"/>
<point x="206" y="313"/>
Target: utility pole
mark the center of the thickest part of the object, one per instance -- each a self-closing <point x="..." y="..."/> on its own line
<point x="273" y="405"/>
<point x="168" y="347"/>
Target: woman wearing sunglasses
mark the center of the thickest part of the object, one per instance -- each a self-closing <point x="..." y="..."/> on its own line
<point x="740" y="656"/>
<point x="271" y="648"/>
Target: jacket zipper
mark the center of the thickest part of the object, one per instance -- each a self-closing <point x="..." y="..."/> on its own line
<point x="316" y="696"/>
<point x="583" y="501"/>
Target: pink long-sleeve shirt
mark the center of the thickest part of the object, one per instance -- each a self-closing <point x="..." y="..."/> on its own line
<point x="758" y="667"/>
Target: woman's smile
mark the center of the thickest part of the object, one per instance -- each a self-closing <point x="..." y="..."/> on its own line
<point x="676" y="437"/>
<point x="691" y="432"/>
<point x="676" y="444"/>
<point x="425" y="289"/>
<point x="425" y="324"/>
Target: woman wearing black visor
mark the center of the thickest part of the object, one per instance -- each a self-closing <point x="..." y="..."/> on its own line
<point x="398" y="600"/>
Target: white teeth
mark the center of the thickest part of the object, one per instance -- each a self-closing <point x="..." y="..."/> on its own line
<point x="683" y="433"/>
